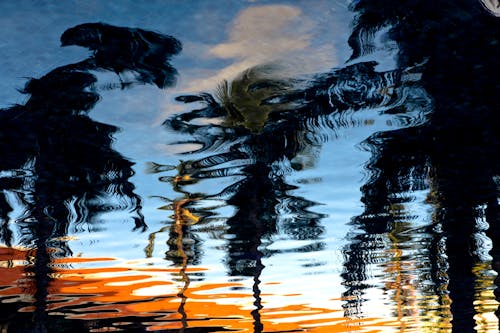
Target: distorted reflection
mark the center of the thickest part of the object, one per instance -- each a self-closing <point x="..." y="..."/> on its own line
<point x="63" y="171"/>
<point x="453" y="155"/>
<point x="266" y="129"/>
<point x="145" y="53"/>
<point x="265" y="123"/>
<point x="421" y="254"/>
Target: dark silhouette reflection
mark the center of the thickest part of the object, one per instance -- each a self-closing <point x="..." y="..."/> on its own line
<point x="455" y="153"/>
<point x="264" y="128"/>
<point x="262" y="149"/>
<point x="443" y="96"/>
<point x="118" y="49"/>
<point x="59" y="164"/>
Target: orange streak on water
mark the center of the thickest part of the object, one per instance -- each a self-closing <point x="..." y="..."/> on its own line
<point x="157" y="295"/>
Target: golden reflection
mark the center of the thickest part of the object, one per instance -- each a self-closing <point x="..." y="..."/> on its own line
<point x="401" y="281"/>
<point x="182" y="217"/>
<point x="485" y="304"/>
<point x="421" y="310"/>
<point x="415" y="309"/>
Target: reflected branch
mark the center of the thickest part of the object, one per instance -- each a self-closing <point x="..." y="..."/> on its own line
<point x="453" y="155"/>
<point x="58" y="163"/>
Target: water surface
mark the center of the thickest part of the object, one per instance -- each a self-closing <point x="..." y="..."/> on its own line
<point x="249" y="166"/>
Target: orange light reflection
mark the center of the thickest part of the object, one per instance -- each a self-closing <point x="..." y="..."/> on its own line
<point x="157" y="296"/>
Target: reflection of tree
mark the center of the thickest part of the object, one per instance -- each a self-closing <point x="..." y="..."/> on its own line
<point x="455" y="153"/>
<point x="59" y="164"/>
<point x="268" y="128"/>
<point x="448" y="142"/>
<point x="144" y="53"/>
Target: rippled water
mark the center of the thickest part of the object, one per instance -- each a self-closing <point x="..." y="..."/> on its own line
<point x="249" y="166"/>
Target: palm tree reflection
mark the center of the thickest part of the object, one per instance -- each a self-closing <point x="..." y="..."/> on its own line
<point x="59" y="164"/>
<point x="447" y="144"/>
<point x="262" y="127"/>
<point x="454" y="154"/>
<point x="258" y="150"/>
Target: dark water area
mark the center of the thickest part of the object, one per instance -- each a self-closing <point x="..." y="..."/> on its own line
<point x="249" y="166"/>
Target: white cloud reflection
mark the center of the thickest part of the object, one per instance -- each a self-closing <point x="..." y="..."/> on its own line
<point x="262" y="34"/>
<point x="265" y="31"/>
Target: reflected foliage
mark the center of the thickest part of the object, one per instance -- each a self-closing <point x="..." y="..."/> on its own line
<point x="57" y="164"/>
<point x="262" y="148"/>
<point x="455" y="153"/>
<point x="443" y="95"/>
<point x="263" y="128"/>
<point x="145" y="53"/>
<point x="254" y="131"/>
